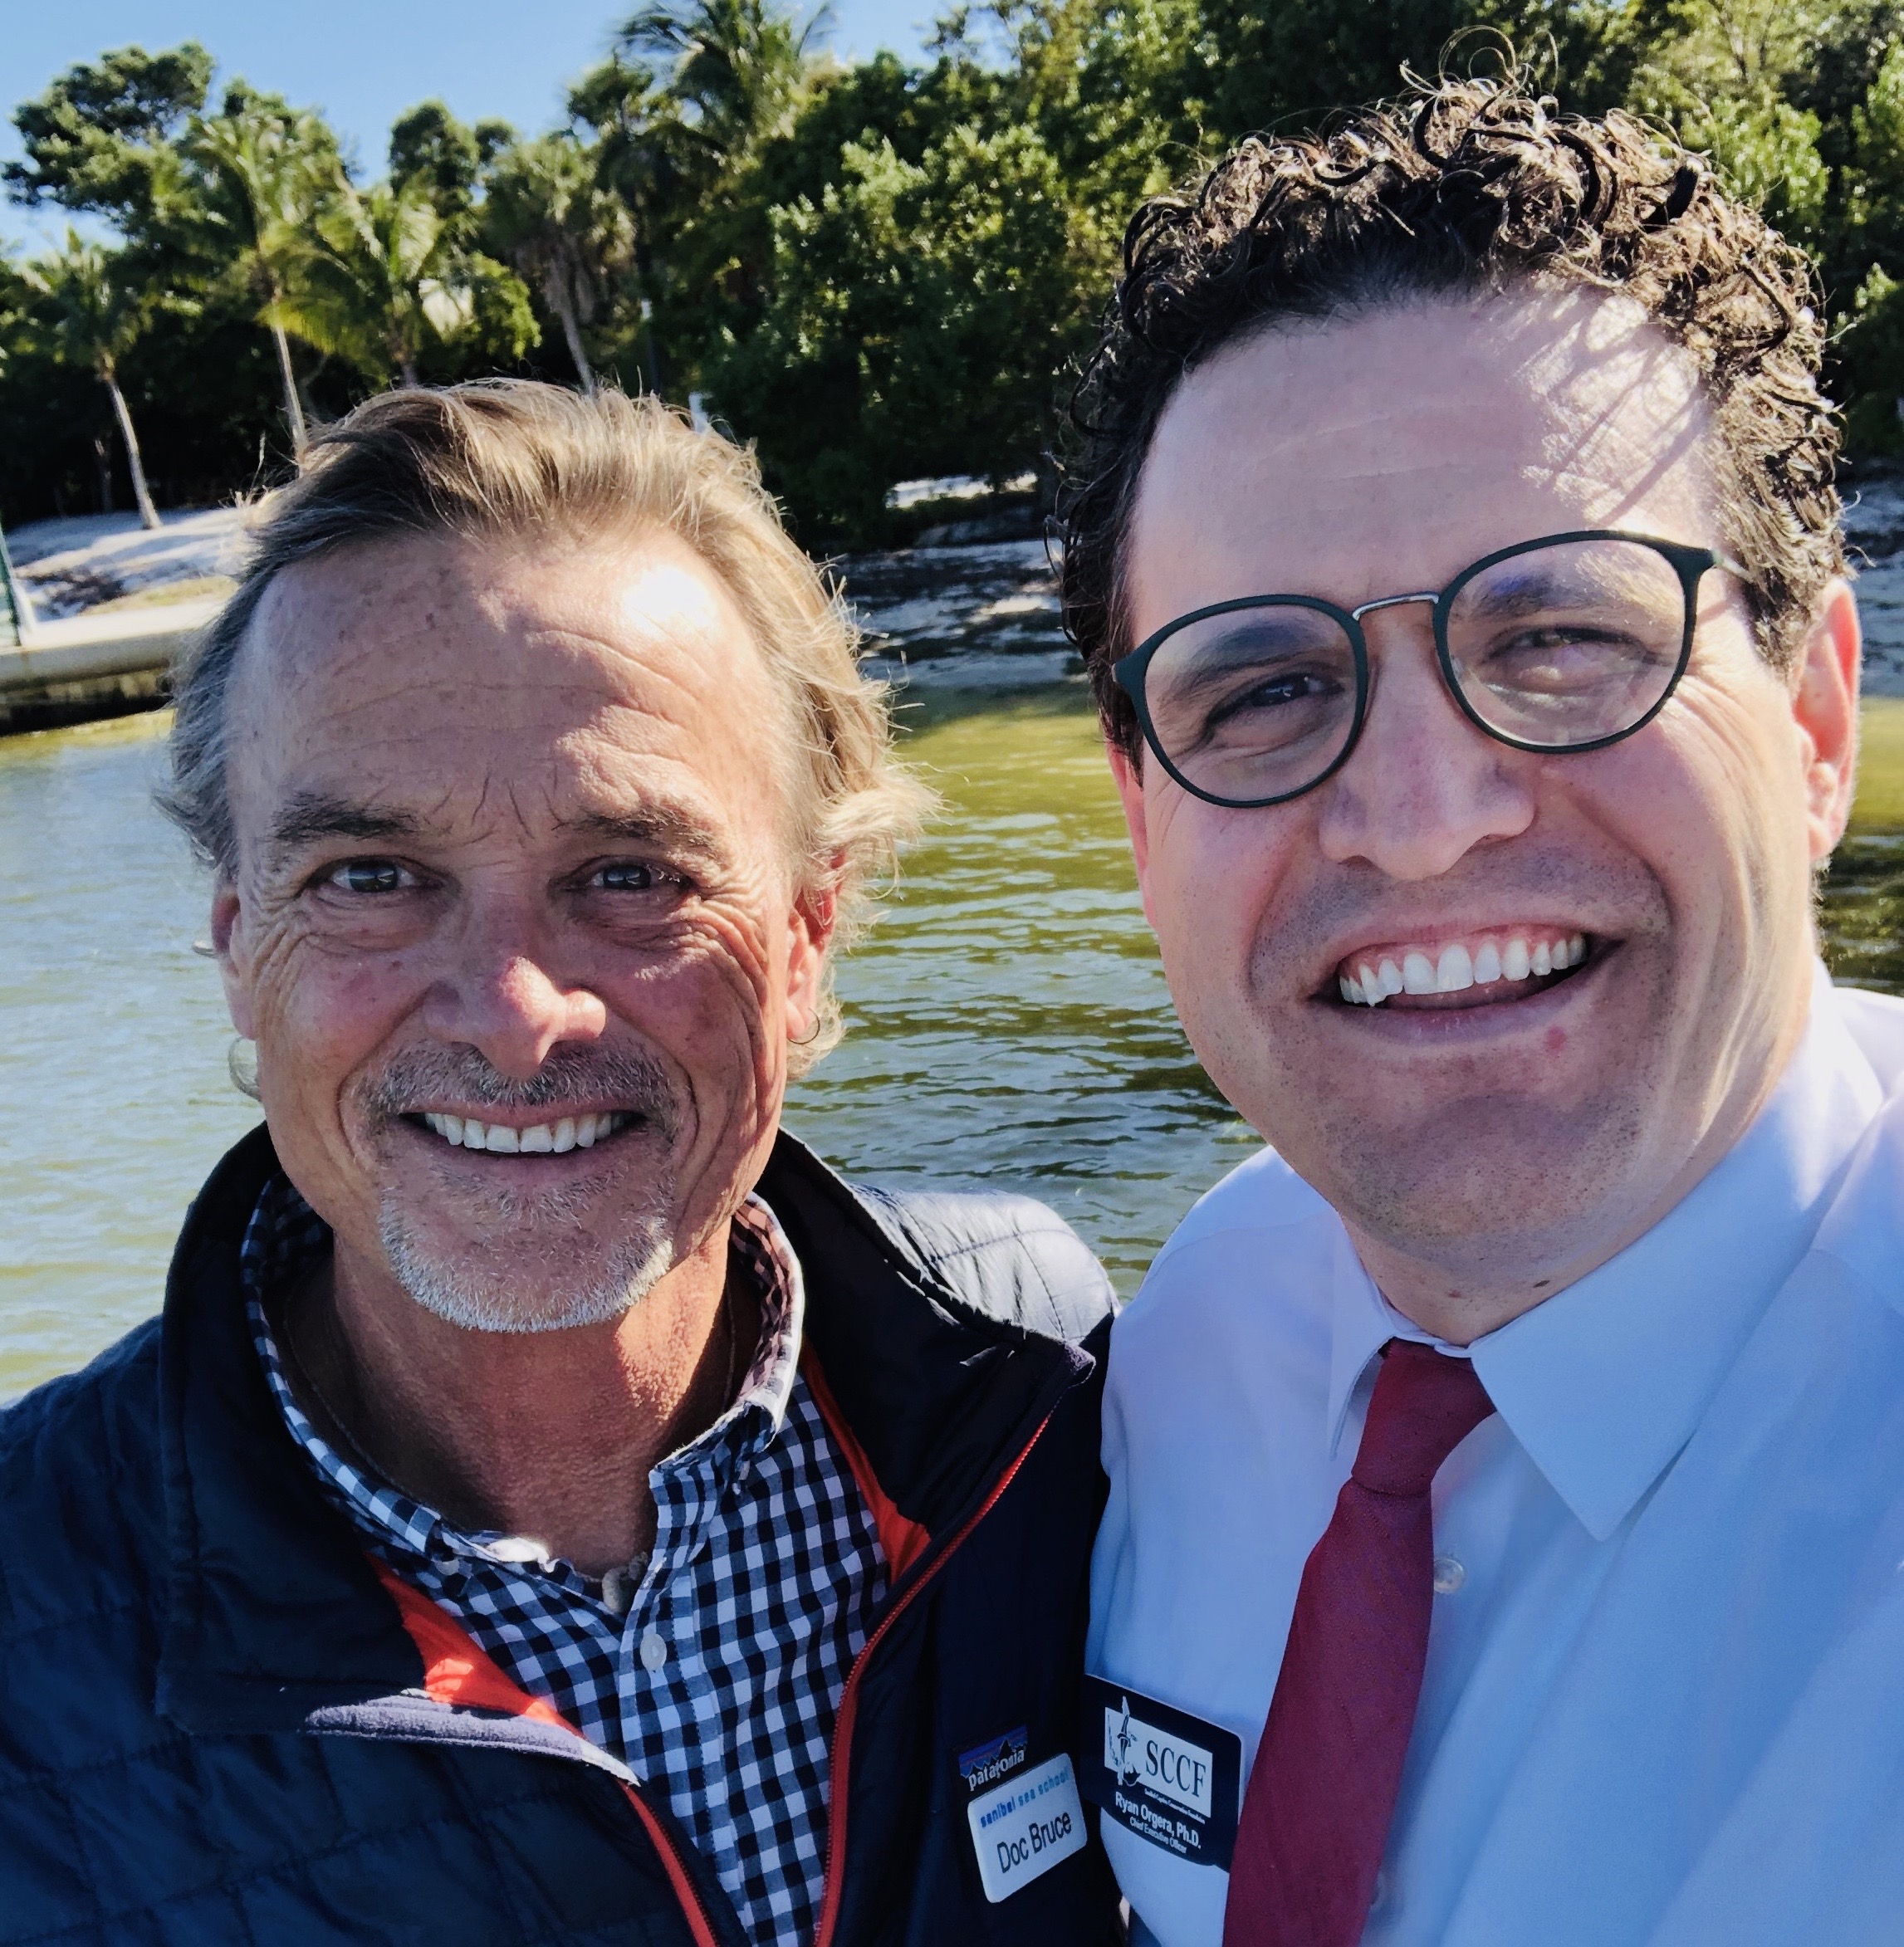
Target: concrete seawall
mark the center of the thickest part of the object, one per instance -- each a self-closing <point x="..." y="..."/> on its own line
<point x="89" y="666"/>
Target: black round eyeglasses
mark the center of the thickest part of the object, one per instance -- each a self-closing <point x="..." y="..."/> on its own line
<point x="1569" y="642"/>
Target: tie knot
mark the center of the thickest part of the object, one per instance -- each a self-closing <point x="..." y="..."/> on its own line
<point x="1424" y="1406"/>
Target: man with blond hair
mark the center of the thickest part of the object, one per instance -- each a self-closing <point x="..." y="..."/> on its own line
<point x="551" y="1506"/>
<point x="1507" y="1465"/>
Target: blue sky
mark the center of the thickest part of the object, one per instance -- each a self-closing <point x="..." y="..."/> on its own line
<point x="364" y="61"/>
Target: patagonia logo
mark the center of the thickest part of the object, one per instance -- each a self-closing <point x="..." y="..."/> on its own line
<point x="984" y="1764"/>
<point x="1170" y="1777"/>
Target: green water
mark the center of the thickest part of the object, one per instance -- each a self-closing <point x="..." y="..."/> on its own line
<point x="1008" y="1022"/>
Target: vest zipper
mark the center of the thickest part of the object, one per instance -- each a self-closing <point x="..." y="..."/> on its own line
<point x="457" y="1671"/>
<point x="435" y="1631"/>
<point x="839" y="1763"/>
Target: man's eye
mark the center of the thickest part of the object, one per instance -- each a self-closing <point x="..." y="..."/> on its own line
<point x="629" y="877"/>
<point x="368" y="876"/>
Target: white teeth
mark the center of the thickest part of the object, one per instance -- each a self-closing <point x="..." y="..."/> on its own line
<point x="1459" y="967"/>
<point x="543" y="1139"/>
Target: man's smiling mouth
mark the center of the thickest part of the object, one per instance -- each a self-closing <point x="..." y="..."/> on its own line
<point x="556" y="1138"/>
<point x="1499" y="963"/>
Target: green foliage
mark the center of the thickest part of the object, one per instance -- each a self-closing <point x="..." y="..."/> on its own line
<point x="87" y="310"/>
<point x="908" y="330"/>
<point x="549" y="213"/>
<point x="428" y="143"/>
<point x="91" y="313"/>
<point x="738" y="68"/>
<point x="1800" y="105"/>
<point x="379" y="280"/>
<point x="1872" y="351"/>
<point x="261" y="171"/>
<point x="100" y="138"/>
<point x="873" y="272"/>
<point x="1768" y="152"/>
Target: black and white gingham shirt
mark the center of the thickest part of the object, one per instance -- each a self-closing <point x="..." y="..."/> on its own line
<point x="719" y="1684"/>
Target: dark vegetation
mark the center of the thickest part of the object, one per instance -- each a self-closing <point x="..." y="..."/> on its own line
<point x="876" y="273"/>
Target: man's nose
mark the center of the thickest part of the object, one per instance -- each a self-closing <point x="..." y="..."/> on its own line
<point x="506" y="994"/>
<point x="1424" y="786"/>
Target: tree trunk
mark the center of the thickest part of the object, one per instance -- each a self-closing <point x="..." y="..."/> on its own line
<point x="293" y="406"/>
<point x="409" y="372"/>
<point x="644" y="275"/>
<point x="565" y="305"/>
<point x="148" y="513"/>
<point x="654" y="375"/>
<point x="102" y="472"/>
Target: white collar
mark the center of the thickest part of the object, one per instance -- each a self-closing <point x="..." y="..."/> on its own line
<point x="1604" y="1383"/>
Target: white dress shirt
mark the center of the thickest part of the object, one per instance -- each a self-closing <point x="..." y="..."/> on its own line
<point x="1664" y="1701"/>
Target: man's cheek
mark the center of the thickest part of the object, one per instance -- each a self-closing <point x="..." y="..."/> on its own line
<point x="733" y="994"/>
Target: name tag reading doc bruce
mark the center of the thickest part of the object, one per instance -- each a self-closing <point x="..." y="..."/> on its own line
<point x="1026" y="1826"/>
<point x="1168" y="1777"/>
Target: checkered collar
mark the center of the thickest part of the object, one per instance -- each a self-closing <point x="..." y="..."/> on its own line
<point x="285" y="1239"/>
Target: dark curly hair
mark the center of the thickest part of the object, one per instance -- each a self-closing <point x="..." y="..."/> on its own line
<point x="1462" y="186"/>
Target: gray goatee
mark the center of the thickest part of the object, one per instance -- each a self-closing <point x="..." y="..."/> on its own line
<point x="548" y="1272"/>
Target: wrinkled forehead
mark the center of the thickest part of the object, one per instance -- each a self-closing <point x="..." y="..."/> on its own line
<point x="464" y="672"/>
<point x="1386" y="449"/>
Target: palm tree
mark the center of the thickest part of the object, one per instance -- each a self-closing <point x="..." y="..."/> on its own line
<point x="94" y="315"/>
<point x="548" y="214"/>
<point x="380" y="275"/>
<point x="737" y="65"/>
<point x="268" y="167"/>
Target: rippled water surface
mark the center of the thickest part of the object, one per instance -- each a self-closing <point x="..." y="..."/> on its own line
<point x="1009" y="1024"/>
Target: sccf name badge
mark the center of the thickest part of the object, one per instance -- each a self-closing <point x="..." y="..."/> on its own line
<point x="1168" y="1777"/>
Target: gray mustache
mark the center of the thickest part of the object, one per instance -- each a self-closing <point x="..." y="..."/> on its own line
<point x="627" y="1081"/>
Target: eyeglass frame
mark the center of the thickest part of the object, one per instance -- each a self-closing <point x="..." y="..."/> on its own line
<point x="1691" y="564"/>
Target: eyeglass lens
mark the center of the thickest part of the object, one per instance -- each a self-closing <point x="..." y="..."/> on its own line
<point x="1255" y="703"/>
<point x="1561" y="645"/>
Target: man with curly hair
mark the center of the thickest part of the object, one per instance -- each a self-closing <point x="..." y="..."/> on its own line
<point x="1507" y="1470"/>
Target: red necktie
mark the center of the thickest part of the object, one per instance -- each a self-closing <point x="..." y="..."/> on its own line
<point x="1315" y="1818"/>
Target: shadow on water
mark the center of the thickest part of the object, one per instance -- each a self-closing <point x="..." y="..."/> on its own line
<point x="1861" y="904"/>
<point x="1861" y="912"/>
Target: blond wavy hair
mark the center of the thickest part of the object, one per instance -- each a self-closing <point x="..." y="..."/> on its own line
<point x="516" y="459"/>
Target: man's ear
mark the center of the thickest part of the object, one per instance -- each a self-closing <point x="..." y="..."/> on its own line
<point x="1127" y="774"/>
<point x="229" y="949"/>
<point x="1824" y="706"/>
<point x="812" y="920"/>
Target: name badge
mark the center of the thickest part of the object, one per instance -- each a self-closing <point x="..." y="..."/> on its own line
<point x="1168" y="1777"/>
<point x="1025" y="1826"/>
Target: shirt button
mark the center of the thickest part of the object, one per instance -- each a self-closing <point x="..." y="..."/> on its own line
<point x="653" y="1650"/>
<point x="1449" y="1574"/>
